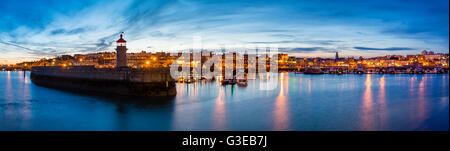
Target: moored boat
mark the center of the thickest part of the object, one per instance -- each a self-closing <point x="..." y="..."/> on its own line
<point x="313" y="71"/>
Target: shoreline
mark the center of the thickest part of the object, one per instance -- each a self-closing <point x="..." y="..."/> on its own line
<point x="286" y="72"/>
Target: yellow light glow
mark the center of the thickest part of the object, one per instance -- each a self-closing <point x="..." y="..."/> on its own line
<point x="148" y="62"/>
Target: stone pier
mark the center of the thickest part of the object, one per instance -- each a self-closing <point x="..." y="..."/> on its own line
<point x="122" y="81"/>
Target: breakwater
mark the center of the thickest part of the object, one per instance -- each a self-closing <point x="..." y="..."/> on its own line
<point x="122" y="81"/>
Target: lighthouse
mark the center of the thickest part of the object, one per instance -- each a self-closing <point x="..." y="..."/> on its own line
<point x="121" y="52"/>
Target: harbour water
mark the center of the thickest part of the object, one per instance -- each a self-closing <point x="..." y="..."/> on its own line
<point x="299" y="102"/>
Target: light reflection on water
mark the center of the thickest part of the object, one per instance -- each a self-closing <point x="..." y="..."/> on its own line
<point x="367" y="107"/>
<point x="422" y="100"/>
<point x="281" y="113"/>
<point x="299" y="102"/>
<point x="219" y="111"/>
<point x="382" y="100"/>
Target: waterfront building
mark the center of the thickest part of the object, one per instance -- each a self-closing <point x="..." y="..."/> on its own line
<point x="426" y="59"/>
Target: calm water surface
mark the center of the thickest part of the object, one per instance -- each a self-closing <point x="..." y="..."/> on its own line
<point x="299" y="102"/>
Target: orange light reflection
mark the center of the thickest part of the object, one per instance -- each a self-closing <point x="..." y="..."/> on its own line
<point x="281" y="111"/>
<point x="367" y="120"/>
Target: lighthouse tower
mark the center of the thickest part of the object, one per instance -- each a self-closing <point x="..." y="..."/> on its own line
<point x="121" y="55"/>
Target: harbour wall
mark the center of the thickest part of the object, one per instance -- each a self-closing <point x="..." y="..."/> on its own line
<point x="122" y="81"/>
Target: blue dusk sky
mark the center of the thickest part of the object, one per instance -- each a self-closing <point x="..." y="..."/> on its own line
<point x="33" y="29"/>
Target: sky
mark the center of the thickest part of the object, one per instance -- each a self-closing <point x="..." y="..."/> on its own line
<point x="34" y="29"/>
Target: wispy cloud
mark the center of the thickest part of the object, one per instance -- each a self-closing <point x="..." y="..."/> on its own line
<point x="307" y="49"/>
<point x="68" y="32"/>
<point x="385" y="49"/>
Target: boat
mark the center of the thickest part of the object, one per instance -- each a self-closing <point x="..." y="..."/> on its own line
<point x="419" y="70"/>
<point x="189" y="80"/>
<point x="314" y="70"/>
<point x="228" y="81"/>
<point x="242" y="82"/>
<point x="360" y="72"/>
